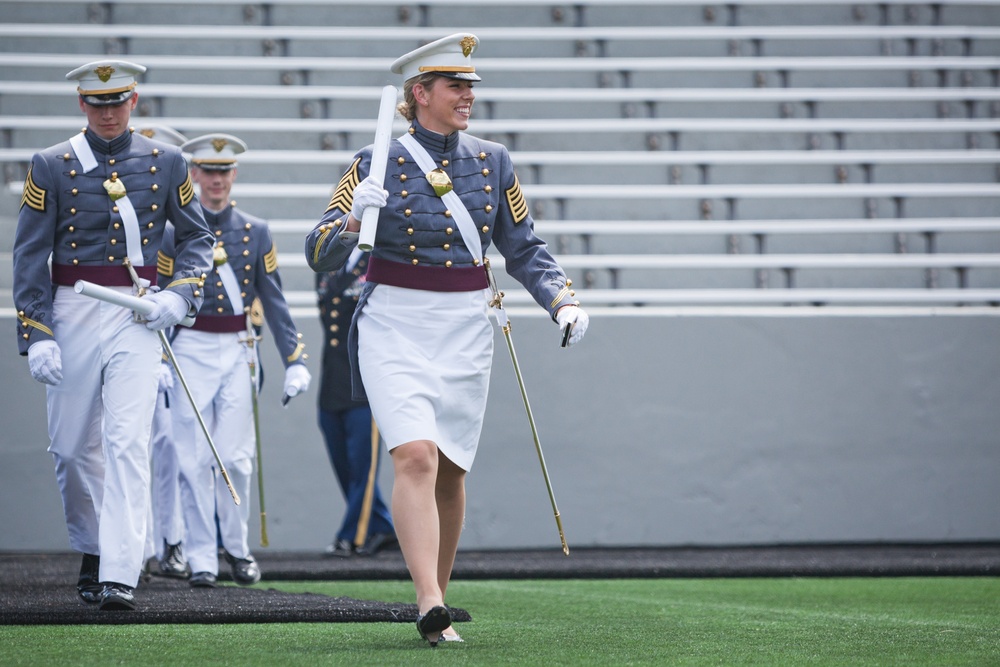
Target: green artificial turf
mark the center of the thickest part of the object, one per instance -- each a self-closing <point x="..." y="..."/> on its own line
<point x="857" y="621"/>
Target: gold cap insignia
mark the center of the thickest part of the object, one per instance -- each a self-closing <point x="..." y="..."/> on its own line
<point x="218" y="145"/>
<point x="104" y="72"/>
<point x="147" y="132"/>
<point x="468" y="43"/>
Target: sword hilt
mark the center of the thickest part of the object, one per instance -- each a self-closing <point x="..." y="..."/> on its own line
<point x="497" y="300"/>
<point x="140" y="288"/>
<point x="566" y="335"/>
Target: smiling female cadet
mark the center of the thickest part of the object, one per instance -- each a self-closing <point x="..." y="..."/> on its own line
<point x="421" y="338"/>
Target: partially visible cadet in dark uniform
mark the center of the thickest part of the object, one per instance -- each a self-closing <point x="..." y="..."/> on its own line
<point x="215" y="355"/>
<point x="346" y="423"/>
<point x="165" y="533"/>
<point x="91" y="202"/>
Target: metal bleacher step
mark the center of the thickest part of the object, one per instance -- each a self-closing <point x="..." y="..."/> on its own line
<point x="883" y="71"/>
<point x="516" y="40"/>
<point x="632" y="134"/>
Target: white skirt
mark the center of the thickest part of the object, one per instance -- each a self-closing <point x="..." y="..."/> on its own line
<point x="425" y="360"/>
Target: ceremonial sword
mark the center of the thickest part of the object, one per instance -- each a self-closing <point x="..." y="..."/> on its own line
<point x="251" y="340"/>
<point x="497" y="304"/>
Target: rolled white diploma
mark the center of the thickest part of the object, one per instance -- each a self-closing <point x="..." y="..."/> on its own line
<point x="119" y="299"/>
<point x="380" y="155"/>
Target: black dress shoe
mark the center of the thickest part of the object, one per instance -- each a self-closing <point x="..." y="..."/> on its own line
<point x="173" y="563"/>
<point x="245" y="570"/>
<point x="377" y="542"/>
<point x="340" y="549"/>
<point x="435" y="620"/>
<point x="88" y="586"/>
<point x="202" y="580"/>
<point x="117" y="597"/>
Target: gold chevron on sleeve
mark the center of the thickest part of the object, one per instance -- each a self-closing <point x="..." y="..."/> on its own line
<point x="319" y="243"/>
<point x="32" y="323"/>
<point x="32" y="195"/>
<point x="184" y="281"/>
<point x="294" y="356"/>
<point x="164" y="264"/>
<point x="515" y="199"/>
<point x="343" y="196"/>
<point x="563" y="293"/>
<point x="271" y="260"/>
<point x="186" y="191"/>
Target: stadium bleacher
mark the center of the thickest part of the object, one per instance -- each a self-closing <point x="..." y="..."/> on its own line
<point x="829" y="152"/>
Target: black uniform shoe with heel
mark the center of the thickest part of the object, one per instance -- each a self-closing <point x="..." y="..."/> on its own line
<point x="117" y="597"/>
<point x="340" y="549"/>
<point x="435" y="620"/>
<point x="88" y="586"/>
<point x="245" y="571"/>
<point x="173" y="563"/>
<point x="377" y="542"/>
<point x="202" y="580"/>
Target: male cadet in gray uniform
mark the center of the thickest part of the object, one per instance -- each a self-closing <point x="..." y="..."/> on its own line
<point x="165" y="532"/>
<point x="215" y="356"/>
<point x="92" y="202"/>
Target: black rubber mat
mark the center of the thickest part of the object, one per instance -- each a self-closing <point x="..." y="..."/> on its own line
<point x="41" y="588"/>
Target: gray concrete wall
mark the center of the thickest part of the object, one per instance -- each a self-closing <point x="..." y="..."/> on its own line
<point x="656" y="431"/>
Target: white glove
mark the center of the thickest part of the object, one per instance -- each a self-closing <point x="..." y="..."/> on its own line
<point x="576" y="317"/>
<point x="45" y="362"/>
<point x="169" y="308"/>
<point x="297" y="379"/>
<point x="165" y="378"/>
<point x="368" y="193"/>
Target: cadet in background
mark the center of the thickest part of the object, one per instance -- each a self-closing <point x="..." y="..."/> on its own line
<point x="349" y="433"/>
<point x="165" y="534"/>
<point x="216" y="354"/>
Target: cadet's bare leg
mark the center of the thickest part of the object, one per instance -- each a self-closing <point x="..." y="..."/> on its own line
<point x="450" y="495"/>
<point x="418" y="523"/>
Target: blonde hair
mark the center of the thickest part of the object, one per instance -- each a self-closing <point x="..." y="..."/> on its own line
<point x="408" y="107"/>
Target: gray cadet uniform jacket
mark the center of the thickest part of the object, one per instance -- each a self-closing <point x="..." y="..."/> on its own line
<point x="418" y="244"/>
<point x="69" y="214"/>
<point x="250" y="251"/>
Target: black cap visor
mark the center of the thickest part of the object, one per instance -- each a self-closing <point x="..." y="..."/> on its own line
<point x="461" y="76"/>
<point x="108" y="99"/>
<point x="214" y="166"/>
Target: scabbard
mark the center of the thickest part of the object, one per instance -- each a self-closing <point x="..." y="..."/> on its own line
<point x="260" y="456"/>
<point x="534" y="433"/>
<point x="496" y="305"/>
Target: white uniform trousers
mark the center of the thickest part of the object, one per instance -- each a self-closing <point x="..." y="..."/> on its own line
<point x="215" y="367"/>
<point x="166" y="520"/>
<point x="99" y="421"/>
